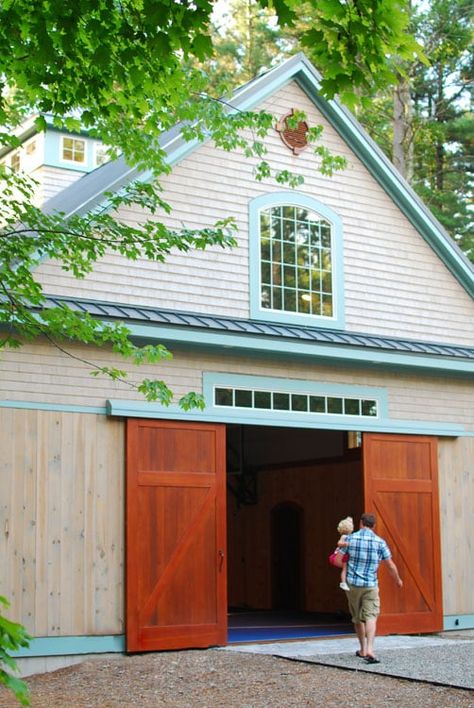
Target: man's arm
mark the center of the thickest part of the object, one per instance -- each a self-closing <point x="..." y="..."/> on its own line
<point x="393" y="570"/>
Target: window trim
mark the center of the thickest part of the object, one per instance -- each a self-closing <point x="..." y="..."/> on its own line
<point x="98" y="145"/>
<point x="324" y="398"/>
<point x="307" y="387"/>
<point x="297" y="199"/>
<point x="72" y="162"/>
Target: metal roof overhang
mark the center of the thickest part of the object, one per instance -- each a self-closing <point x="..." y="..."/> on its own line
<point x="318" y="352"/>
<point x="241" y="336"/>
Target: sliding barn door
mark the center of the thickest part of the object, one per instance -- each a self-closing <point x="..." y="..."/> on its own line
<point x="175" y="521"/>
<point x="401" y="488"/>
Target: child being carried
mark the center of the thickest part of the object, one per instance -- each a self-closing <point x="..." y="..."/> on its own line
<point x="345" y="528"/>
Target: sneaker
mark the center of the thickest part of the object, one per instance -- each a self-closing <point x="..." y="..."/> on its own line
<point x="344" y="586"/>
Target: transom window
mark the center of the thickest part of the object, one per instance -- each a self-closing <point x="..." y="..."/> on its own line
<point x="298" y="402"/>
<point x="295" y="265"/>
<point x="73" y="150"/>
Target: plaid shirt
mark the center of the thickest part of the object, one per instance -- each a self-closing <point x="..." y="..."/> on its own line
<point x="365" y="550"/>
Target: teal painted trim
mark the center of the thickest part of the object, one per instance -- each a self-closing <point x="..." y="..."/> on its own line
<point x="389" y="179"/>
<point x="316" y="351"/>
<point x="138" y="409"/>
<point x="53" y="147"/>
<point x="458" y="622"/>
<point x="176" y="153"/>
<point x="296" y="386"/>
<point x="264" y="86"/>
<point x="351" y="132"/>
<point x="29" y="133"/>
<point x="60" y="407"/>
<point x="299" y="68"/>
<point x="63" y="646"/>
<point x="177" y="148"/>
<point x="337" y="253"/>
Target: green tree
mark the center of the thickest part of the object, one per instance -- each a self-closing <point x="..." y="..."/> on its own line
<point x="422" y="120"/>
<point x="425" y="123"/>
<point x="442" y="97"/>
<point x="12" y="637"/>
<point x="354" y="43"/>
<point x="247" y="39"/>
<point x="123" y="71"/>
<point x="128" y="72"/>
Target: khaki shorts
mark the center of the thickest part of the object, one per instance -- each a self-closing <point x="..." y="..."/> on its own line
<point x="364" y="603"/>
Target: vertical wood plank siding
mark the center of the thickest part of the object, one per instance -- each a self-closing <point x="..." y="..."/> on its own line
<point x="61" y="521"/>
<point x="394" y="283"/>
<point x="456" y="483"/>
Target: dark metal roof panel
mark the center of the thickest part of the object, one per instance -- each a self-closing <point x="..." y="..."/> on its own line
<point x="195" y="320"/>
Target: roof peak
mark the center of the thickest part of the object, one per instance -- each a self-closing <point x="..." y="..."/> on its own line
<point x="89" y="192"/>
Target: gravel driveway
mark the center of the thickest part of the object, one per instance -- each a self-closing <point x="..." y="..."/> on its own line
<point x="211" y="678"/>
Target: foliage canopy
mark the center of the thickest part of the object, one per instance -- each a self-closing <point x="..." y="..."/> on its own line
<point x="129" y="71"/>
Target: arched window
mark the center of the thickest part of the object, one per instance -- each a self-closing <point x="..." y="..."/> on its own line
<point x="296" y="260"/>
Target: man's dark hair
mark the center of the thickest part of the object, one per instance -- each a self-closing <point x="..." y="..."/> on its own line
<point x="368" y="520"/>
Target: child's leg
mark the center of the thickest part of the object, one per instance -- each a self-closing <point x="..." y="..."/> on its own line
<point x="343" y="585"/>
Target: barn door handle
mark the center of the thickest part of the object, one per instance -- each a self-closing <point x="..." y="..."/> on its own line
<point x="220" y="553"/>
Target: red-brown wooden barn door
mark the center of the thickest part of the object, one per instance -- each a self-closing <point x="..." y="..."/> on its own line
<point x="176" y="535"/>
<point x="401" y="488"/>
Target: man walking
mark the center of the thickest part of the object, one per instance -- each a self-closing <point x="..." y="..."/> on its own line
<point x="366" y="550"/>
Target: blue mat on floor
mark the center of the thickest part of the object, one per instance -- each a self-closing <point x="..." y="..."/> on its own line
<point x="261" y="634"/>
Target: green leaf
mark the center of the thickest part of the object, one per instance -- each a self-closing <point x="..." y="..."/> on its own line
<point x="202" y="46"/>
<point x="191" y="401"/>
<point x="13" y="636"/>
<point x="17" y="686"/>
<point x="40" y="123"/>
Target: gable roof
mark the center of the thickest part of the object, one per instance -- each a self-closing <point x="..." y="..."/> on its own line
<point x="89" y="192"/>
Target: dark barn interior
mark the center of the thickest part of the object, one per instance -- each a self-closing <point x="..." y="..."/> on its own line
<point x="287" y="490"/>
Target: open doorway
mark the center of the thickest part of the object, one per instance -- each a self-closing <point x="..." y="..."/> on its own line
<point x="287" y="490"/>
<point x="177" y="575"/>
<point x="287" y="529"/>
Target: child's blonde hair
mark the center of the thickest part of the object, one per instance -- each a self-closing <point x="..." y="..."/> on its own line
<point x="346" y="525"/>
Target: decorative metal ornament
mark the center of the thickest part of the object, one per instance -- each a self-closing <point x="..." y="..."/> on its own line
<point x="294" y="138"/>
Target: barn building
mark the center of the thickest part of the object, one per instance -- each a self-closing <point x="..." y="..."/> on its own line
<point x="334" y="346"/>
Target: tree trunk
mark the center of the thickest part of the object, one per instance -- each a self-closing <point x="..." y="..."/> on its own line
<point x="402" y="154"/>
<point x="439" y="152"/>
